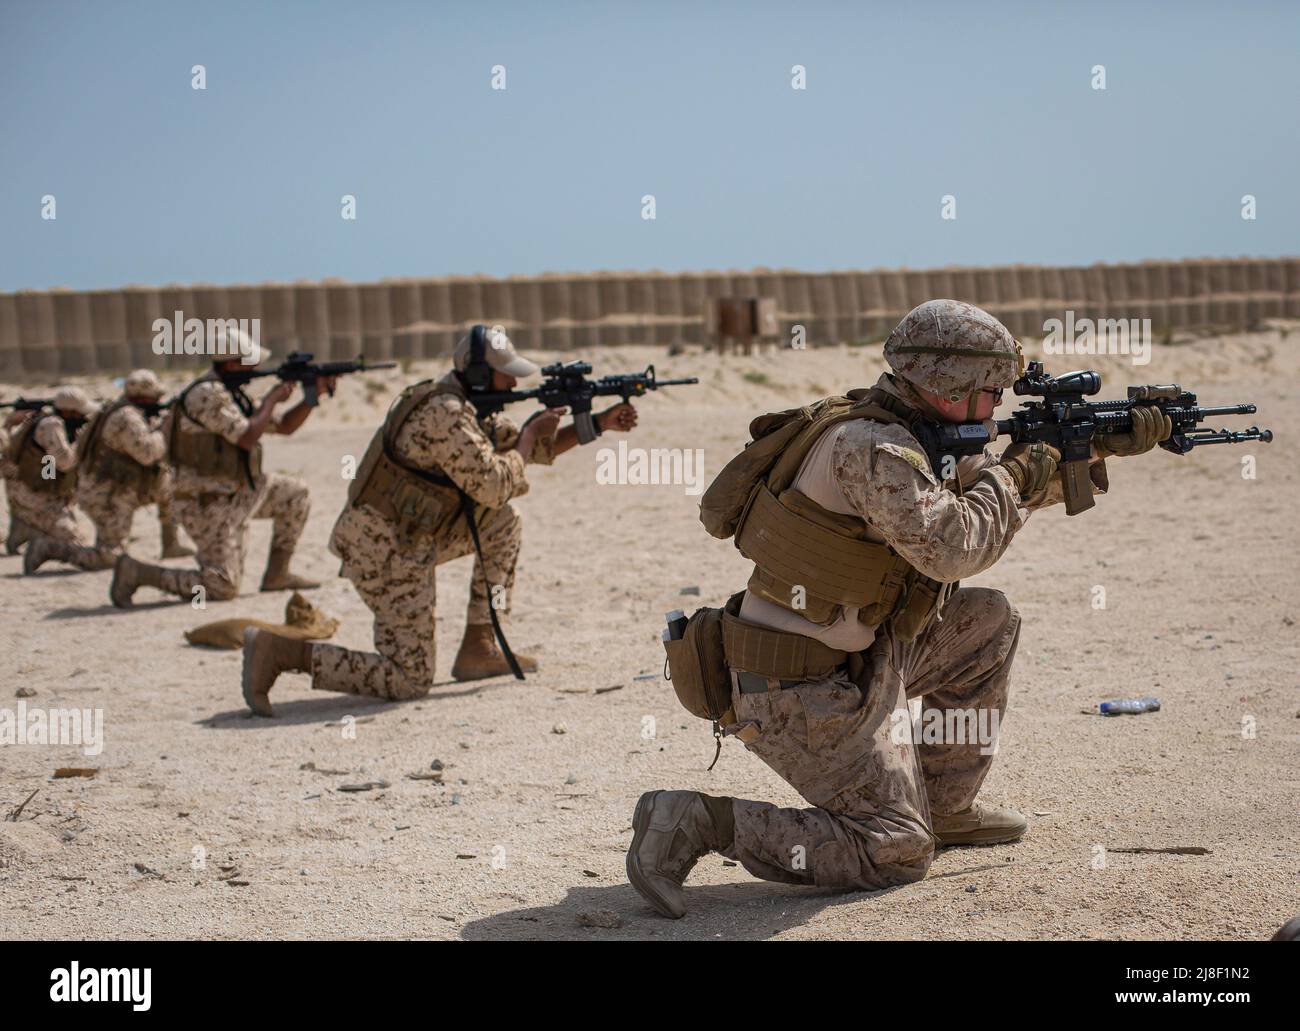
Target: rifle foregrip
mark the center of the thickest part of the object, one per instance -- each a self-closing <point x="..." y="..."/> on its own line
<point x="1076" y="485"/>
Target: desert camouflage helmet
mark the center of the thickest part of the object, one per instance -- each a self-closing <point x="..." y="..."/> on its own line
<point x="73" y="399"/>
<point x="143" y="383"/>
<point x="952" y="348"/>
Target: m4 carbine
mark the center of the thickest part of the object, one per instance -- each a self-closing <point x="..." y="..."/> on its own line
<point x="1067" y="421"/>
<point x="567" y="385"/>
<point x="28" y="404"/>
<point x="299" y="367"/>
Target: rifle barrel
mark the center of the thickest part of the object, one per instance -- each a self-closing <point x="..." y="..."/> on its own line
<point x="1206" y="413"/>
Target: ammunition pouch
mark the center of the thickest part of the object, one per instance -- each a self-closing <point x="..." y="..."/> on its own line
<point x="815" y="562"/>
<point x="419" y="503"/>
<point x="29" y="457"/>
<point x="211" y="455"/>
<point x="109" y="465"/>
<point x="30" y="467"/>
<point x="418" y="509"/>
<point x="112" y="466"/>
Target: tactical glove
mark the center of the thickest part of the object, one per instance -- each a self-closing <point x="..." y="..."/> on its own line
<point x="1031" y="466"/>
<point x="1150" y="426"/>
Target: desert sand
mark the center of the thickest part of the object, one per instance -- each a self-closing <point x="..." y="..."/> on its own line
<point x="204" y="822"/>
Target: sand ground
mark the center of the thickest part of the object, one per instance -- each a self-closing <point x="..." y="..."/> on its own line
<point x="205" y="823"/>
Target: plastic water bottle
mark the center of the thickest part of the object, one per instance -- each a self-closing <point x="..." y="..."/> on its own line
<point x="1129" y="706"/>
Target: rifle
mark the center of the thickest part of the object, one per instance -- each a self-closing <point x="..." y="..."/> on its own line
<point x="567" y="385"/>
<point x="299" y="367"/>
<point x="153" y="409"/>
<point x="25" y="404"/>
<point x="1067" y="421"/>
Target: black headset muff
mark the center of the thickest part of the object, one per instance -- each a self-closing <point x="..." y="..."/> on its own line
<point x="478" y="373"/>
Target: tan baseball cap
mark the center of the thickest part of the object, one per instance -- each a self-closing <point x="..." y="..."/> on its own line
<point x="143" y="383"/>
<point x="500" y="354"/>
<point x="230" y="342"/>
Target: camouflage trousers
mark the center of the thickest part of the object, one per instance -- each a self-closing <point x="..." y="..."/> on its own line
<point x="218" y="525"/>
<point x="847" y="745"/>
<point x="111" y="508"/>
<point x="400" y="587"/>
<point x="44" y="513"/>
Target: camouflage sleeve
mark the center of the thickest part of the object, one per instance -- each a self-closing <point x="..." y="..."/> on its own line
<point x="507" y="436"/>
<point x="7" y="469"/>
<point x="53" y="439"/>
<point x="886" y="478"/>
<point x="128" y="431"/>
<point x="211" y="405"/>
<point x="443" y="434"/>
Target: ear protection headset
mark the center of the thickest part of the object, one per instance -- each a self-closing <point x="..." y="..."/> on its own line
<point x="478" y="373"/>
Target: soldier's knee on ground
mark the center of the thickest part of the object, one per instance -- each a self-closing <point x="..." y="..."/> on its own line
<point x="871" y="862"/>
<point x="914" y="853"/>
<point x="404" y="687"/>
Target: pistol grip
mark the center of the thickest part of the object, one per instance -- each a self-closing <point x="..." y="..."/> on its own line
<point x="1076" y="485"/>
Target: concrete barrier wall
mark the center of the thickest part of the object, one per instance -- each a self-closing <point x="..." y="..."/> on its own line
<point x="53" y="333"/>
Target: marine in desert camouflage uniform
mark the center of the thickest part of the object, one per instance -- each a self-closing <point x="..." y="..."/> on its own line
<point x="397" y="528"/>
<point x="18" y="534"/>
<point x="879" y="800"/>
<point x="43" y="457"/>
<point x="120" y="469"/>
<point x="214" y="435"/>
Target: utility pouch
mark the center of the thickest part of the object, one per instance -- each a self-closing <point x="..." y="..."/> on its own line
<point x="919" y="608"/>
<point x="697" y="666"/>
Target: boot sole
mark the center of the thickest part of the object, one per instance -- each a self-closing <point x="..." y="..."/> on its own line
<point x="250" y="636"/>
<point x="982" y="838"/>
<point x="640" y="823"/>
<point x="507" y="672"/>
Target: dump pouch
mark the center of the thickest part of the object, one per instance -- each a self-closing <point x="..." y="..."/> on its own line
<point x="697" y="666"/>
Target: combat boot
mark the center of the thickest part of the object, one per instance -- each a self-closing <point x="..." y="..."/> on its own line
<point x="277" y="576"/>
<point x="479" y="656"/>
<point x="266" y="656"/>
<point x="19" y="534"/>
<point x="128" y="576"/>
<point x="171" y="544"/>
<point x="671" y="831"/>
<point x="979" y="825"/>
<point x="41" y="549"/>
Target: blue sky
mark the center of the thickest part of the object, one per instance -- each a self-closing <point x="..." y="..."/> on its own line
<point x="391" y="102"/>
